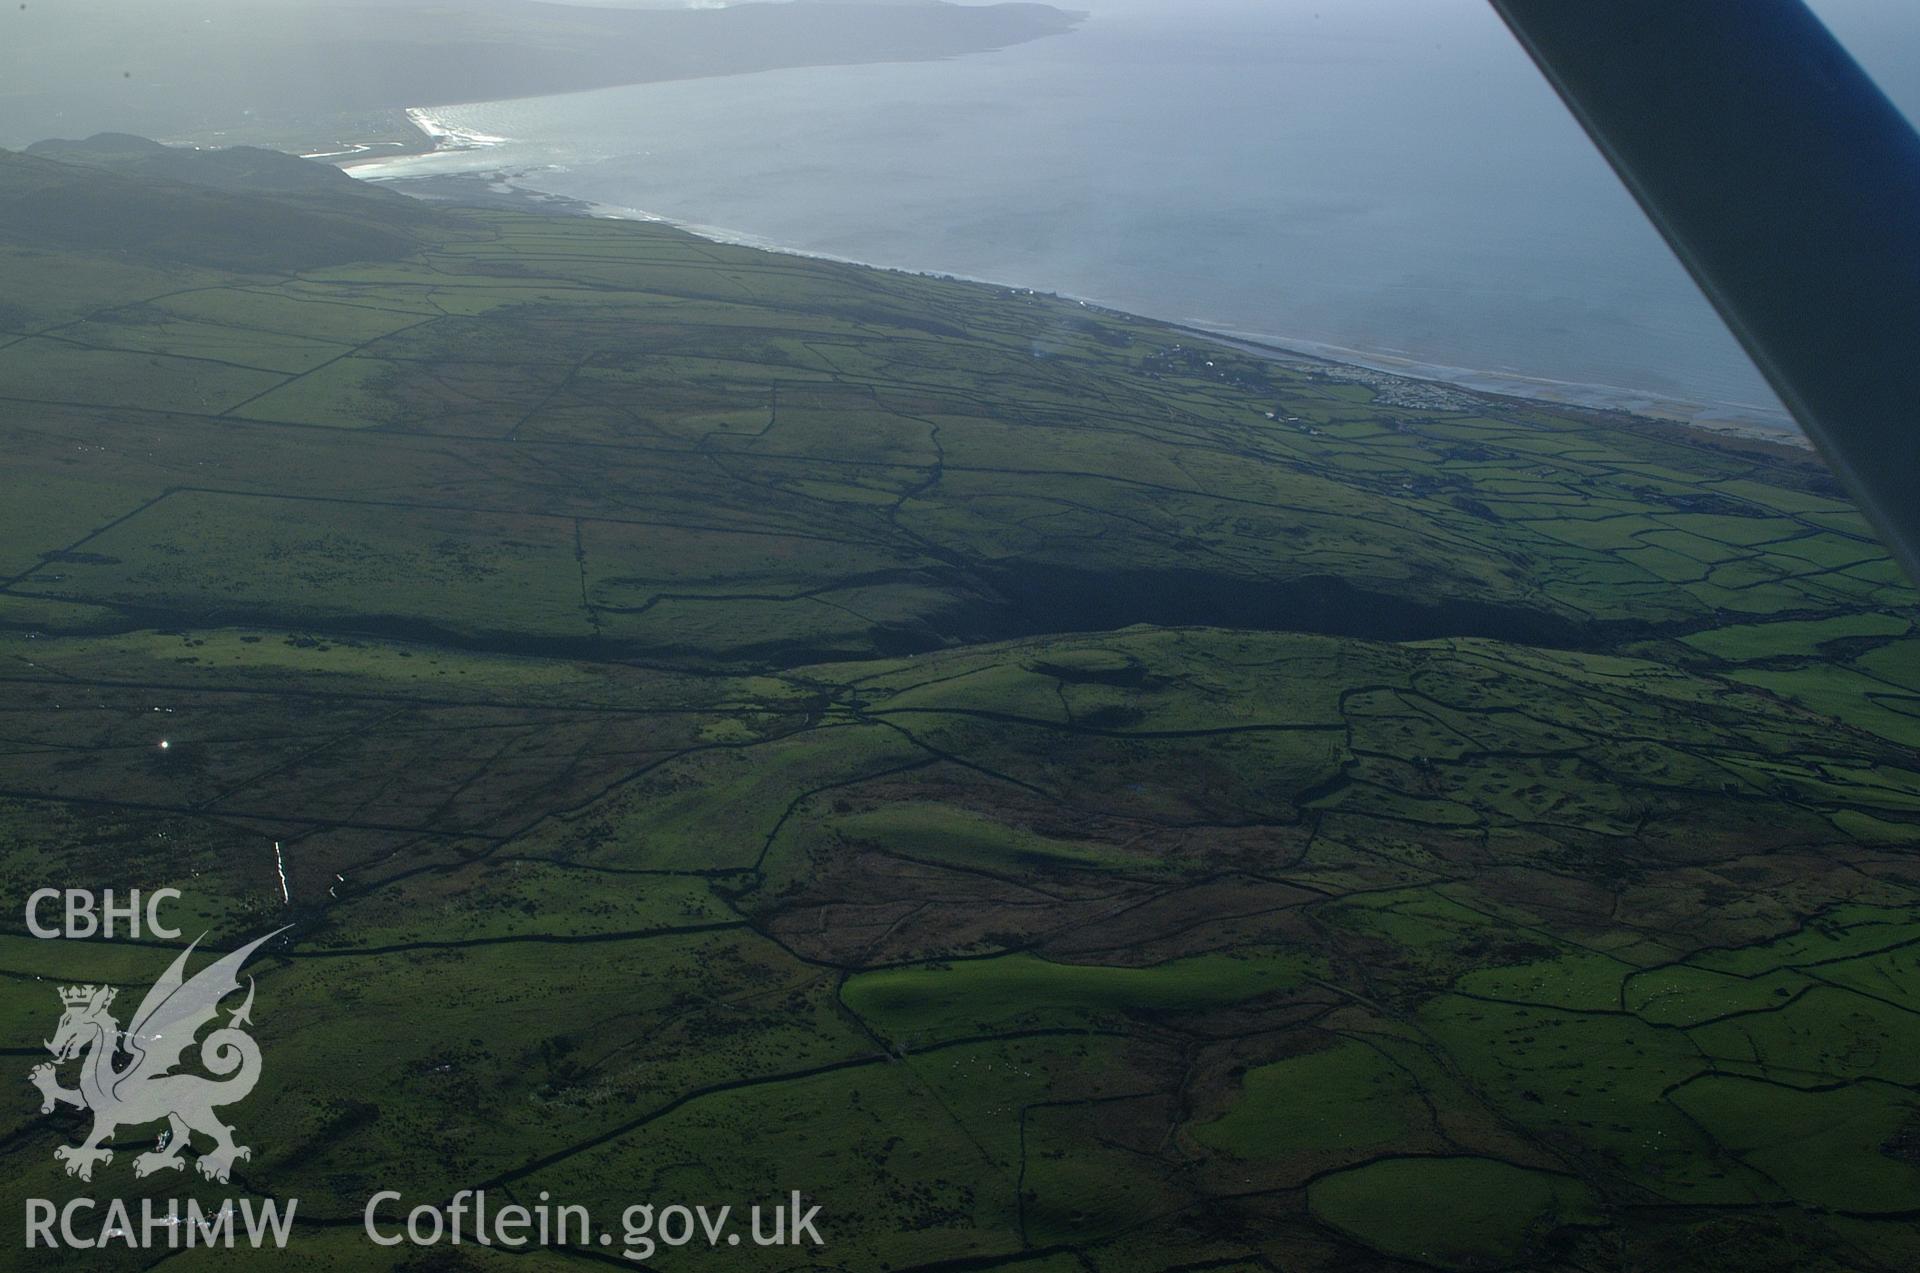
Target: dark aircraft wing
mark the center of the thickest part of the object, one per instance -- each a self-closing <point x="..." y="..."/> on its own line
<point x="1790" y="187"/>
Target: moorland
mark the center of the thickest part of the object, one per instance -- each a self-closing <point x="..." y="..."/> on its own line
<point x="1063" y="794"/>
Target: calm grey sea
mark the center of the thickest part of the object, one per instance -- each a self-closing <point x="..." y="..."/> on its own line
<point x="1386" y="176"/>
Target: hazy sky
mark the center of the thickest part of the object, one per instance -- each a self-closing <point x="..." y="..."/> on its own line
<point x="1883" y="34"/>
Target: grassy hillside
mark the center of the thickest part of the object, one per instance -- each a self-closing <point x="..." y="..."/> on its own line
<point x="236" y="210"/>
<point x="1062" y="794"/>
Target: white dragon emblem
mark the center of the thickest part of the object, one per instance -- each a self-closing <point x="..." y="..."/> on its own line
<point x="146" y="1088"/>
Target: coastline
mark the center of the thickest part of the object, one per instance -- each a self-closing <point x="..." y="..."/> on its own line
<point x="1755" y="423"/>
<point x="515" y="190"/>
<point x="426" y="136"/>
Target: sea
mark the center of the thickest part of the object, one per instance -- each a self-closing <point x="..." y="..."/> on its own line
<point x="1386" y="181"/>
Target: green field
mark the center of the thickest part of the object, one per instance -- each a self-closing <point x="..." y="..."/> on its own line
<point x="1062" y="794"/>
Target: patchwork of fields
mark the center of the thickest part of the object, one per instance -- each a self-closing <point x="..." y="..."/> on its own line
<point x="1063" y="795"/>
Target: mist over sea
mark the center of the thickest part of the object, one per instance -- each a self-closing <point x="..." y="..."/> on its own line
<point x="1384" y="176"/>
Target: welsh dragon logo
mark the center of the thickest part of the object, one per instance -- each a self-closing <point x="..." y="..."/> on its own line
<point x="147" y="1086"/>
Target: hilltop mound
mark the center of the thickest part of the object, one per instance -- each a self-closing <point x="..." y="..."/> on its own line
<point x="243" y="169"/>
<point x="242" y="209"/>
